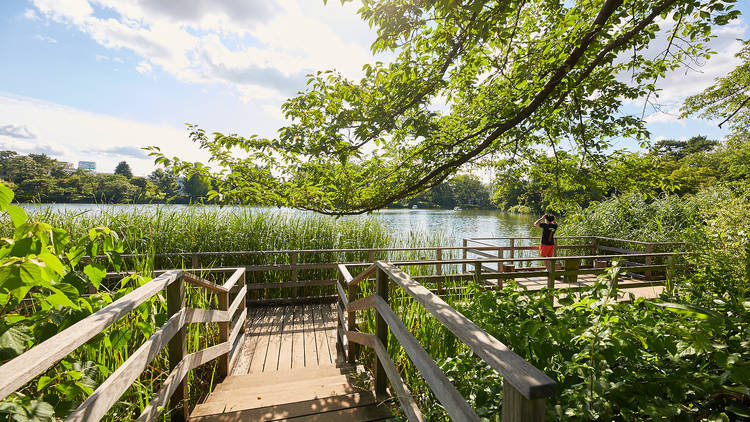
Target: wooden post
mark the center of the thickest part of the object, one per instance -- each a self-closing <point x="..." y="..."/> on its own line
<point x="478" y="272"/>
<point x="351" y="322"/>
<point x="381" y="332"/>
<point x="293" y="263"/>
<point x="670" y="269"/>
<point x="223" y="369"/>
<point x="439" y="270"/>
<point x="241" y="283"/>
<point x="340" y="304"/>
<point x="571" y="265"/>
<point x="371" y="256"/>
<point x="512" y="250"/>
<point x="194" y="260"/>
<point x="550" y="274"/>
<point x="177" y="348"/>
<point x="517" y="408"/>
<point x="464" y="255"/>
<point x="649" y="249"/>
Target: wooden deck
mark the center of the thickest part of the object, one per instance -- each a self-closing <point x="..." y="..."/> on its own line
<point x="288" y="337"/>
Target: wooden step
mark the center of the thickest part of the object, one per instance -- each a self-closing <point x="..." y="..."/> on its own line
<point x="236" y="400"/>
<point x="289" y="374"/>
<point x="323" y="406"/>
<point x="258" y="389"/>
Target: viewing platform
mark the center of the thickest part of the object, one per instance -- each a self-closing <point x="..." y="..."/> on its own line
<point x="289" y="347"/>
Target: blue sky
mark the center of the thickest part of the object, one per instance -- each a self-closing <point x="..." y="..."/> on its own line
<point x="98" y="79"/>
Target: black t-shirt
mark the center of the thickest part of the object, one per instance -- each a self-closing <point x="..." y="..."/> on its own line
<point x="548" y="233"/>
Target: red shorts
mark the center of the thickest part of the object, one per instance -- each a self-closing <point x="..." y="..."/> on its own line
<point x="547" y="250"/>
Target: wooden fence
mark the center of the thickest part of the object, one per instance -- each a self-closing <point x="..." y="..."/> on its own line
<point x="525" y="388"/>
<point x="231" y="317"/>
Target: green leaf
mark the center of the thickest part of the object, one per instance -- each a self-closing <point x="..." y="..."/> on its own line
<point x="52" y="262"/>
<point x="96" y="273"/>
<point x="6" y="195"/>
<point x="17" y="215"/>
<point x="690" y="310"/>
<point x="14" y="340"/>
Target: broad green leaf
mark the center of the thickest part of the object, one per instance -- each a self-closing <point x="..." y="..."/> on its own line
<point x="14" y="340"/>
<point x="6" y="196"/>
<point x="17" y="215"/>
<point x="96" y="273"/>
<point x="52" y="262"/>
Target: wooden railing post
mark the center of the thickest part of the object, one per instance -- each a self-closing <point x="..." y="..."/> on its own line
<point x="351" y="322"/>
<point x="381" y="332"/>
<point x="293" y="263"/>
<point x="439" y="269"/>
<point x="340" y="304"/>
<point x="550" y="273"/>
<point x="649" y="249"/>
<point x="669" y="275"/>
<point x="177" y="349"/>
<point x="517" y="408"/>
<point x="464" y="255"/>
<point x="194" y="260"/>
<point x="223" y="367"/>
<point x="512" y="250"/>
<point x="241" y="283"/>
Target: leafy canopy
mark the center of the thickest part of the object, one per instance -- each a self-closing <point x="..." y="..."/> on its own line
<point x="470" y="79"/>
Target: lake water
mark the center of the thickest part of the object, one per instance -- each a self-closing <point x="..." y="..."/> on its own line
<point x="452" y="225"/>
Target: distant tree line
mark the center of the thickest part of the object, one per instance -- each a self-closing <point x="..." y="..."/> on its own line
<point x="39" y="178"/>
<point x="683" y="167"/>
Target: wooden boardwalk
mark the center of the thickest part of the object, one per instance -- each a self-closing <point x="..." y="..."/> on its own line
<point x="289" y="370"/>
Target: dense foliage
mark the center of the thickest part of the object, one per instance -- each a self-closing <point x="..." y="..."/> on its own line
<point x="682" y="357"/>
<point x="39" y="178"/>
<point x="468" y="81"/>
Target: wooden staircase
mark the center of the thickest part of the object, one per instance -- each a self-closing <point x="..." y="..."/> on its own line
<point x="324" y="393"/>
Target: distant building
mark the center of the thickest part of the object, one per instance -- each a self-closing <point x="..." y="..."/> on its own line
<point x="87" y="165"/>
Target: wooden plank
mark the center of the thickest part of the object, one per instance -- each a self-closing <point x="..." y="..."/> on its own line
<point x="311" y="348"/>
<point x="198" y="315"/>
<point x="330" y="328"/>
<point x="298" y="338"/>
<point x="236" y="327"/>
<point x="342" y="295"/>
<point x="363" y="275"/>
<point x="299" y="408"/>
<point x="527" y="379"/>
<point x="238" y="273"/>
<point x="223" y="369"/>
<point x="361" y="304"/>
<point x="455" y="405"/>
<point x="197" y="281"/>
<point x="22" y="369"/>
<point x="110" y="391"/>
<point x="274" y="341"/>
<point x="287" y="339"/>
<point x="324" y="353"/>
<point x="261" y="349"/>
<point x="237" y="302"/>
<point x="345" y="273"/>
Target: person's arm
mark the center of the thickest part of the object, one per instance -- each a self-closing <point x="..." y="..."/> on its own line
<point x="536" y="223"/>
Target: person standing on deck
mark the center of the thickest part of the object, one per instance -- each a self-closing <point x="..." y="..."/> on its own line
<point x="547" y="248"/>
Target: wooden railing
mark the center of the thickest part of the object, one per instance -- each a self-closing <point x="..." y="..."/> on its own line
<point x="525" y="388"/>
<point x="516" y="249"/>
<point x="231" y="317"/>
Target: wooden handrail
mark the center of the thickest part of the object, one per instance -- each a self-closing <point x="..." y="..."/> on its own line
<point x="363" y="275"/>
<point x="22" y="369"/>
<point x="403" y="394"/>
<point x="527" y="379"/>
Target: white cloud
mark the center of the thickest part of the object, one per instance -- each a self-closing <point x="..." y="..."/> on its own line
<point x="45" y="38"/>
<point x="262" y="49"/>
<point x="31" y="14"/>
<point x="70" y="134"/>
<point x="143" y="67"/>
